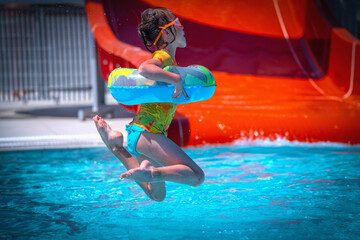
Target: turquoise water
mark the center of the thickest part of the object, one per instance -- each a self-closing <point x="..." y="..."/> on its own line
<point x="299" y="191"/>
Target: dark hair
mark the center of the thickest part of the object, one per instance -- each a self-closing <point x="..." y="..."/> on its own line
<point x="151" y="20"/>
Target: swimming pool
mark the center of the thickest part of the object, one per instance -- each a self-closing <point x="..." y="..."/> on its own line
<point x="298" y="191"/>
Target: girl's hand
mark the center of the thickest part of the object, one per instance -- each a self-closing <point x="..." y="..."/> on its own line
<point x="153" y="69"/>
<point x="179" y="89"/>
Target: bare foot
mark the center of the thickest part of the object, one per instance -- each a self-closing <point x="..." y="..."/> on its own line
<point x="111" y="138"/>
<point x="145" y="173"/>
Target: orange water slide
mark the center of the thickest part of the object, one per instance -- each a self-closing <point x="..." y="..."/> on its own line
<point x="282" y="69"/>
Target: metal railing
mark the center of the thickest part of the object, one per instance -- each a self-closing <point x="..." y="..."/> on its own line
<point x="46" y="53"/>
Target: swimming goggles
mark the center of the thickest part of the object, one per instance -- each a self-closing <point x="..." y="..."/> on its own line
<point x="176" y="22"/>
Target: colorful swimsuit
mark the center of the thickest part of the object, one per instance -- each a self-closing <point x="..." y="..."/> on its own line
<point x="152" y="117"/>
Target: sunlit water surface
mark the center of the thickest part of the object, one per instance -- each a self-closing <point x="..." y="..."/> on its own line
<point x="295" y="191"/>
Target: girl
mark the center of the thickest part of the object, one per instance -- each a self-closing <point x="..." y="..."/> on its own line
<point x="160" y="159"/>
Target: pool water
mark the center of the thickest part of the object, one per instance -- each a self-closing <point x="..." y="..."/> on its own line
<point x="297" y="191"/>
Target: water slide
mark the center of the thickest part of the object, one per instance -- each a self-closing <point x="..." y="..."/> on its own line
<point x="284" y="68"/>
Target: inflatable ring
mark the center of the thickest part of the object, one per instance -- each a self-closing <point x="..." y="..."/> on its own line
<point x="128" y="87"/>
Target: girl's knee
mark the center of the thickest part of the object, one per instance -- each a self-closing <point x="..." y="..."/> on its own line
<point x="200" y="176"/>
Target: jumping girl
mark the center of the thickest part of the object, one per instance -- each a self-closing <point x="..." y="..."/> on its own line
<point x="158" y="159"/>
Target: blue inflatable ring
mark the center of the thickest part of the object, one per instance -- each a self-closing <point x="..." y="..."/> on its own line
<point x="128" y="87"/>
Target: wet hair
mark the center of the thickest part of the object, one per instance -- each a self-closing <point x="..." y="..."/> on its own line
<point x="151" y="20"/>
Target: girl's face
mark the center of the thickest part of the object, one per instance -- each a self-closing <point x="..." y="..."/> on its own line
<point x="180" y="39"/>
<point x="178" y="29"/>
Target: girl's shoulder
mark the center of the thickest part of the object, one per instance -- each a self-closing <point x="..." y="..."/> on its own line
<point x="164" y="57"/>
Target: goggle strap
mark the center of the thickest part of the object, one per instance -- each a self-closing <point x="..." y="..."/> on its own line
<point x="158" y="37"/>
<point x="162" y="28"/>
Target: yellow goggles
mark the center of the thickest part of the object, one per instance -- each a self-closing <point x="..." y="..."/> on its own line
<point x="176" y="22"/>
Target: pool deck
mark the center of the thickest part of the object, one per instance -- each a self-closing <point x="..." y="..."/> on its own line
<point x="43" y="125"/>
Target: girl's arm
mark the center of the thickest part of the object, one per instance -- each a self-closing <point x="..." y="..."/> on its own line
<point x="153" y="70"/>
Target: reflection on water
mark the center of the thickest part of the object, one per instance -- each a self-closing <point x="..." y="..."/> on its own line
<point x="302" y="192"/>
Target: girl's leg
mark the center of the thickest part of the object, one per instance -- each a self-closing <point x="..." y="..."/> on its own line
<point x="177" y="165"/>
<point x="155" y="189"/>
<point x="114" y="141"/>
